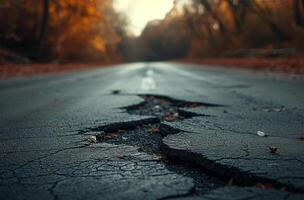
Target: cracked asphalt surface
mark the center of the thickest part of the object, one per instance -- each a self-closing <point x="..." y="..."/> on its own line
<point x="164" y="131"/>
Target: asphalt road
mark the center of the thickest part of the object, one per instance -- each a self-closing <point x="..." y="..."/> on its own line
<point x="152" y="131"/>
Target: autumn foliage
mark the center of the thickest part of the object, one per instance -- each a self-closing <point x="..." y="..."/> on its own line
<point x="61" y="30"/>
<point x="91" y="30"/>
<point x="226" y="28"/>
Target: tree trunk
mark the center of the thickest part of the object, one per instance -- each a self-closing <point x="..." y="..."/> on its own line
<point x="214" y="15"/>
<point x="298" y="15"/>
<point x="58" y="31"/>
<point x="239" y="13"/>
<point x="43" y="29"/>
<point x="265" y="15"/>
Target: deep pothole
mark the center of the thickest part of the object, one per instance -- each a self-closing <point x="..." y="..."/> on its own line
<point x="147" y="135"/>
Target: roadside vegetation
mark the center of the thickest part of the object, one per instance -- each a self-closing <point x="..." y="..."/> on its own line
<point x="200" y="31"/>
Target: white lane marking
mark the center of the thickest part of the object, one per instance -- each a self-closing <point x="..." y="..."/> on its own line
<point x="148" y="83"/>
<point x="149" y="72"/>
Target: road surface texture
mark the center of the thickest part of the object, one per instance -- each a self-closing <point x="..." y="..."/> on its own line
<point x="152" y="131"/>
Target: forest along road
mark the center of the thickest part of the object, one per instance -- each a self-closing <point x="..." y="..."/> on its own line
<point x="152" y="131"/>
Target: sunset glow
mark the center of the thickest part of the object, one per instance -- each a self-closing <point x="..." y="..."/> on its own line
<point x="140" y="12"/>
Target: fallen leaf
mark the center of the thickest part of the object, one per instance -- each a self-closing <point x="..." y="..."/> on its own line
<point x="193" y="105"/>
<point x="264" y="186"/>
<point x="273" y="149"/>
<point x="153" y="128"/>
<point x="170" y="118"/>
<point x="92" y="139"/>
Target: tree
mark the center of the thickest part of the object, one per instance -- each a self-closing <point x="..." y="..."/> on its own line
<point x="215" y="16"/>
<point x="62" y="30"/>
<point x="298" y="6"/>
<point x="42" y="36"/>
<point x="238" y="11"/>
<point x="265" y="14"/>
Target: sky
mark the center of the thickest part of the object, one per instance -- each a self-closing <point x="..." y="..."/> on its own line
<point x="140" y="12"/>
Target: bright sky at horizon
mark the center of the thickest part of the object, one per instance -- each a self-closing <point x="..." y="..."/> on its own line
<point x="140" y="12"/>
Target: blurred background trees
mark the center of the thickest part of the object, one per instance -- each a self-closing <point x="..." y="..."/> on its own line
<point x="61" y="30"/>
<point x="228" y="28"/>
<point x="91" y="30"/>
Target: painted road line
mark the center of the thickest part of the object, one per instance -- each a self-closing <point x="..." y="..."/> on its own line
<point x="148" y="82"/>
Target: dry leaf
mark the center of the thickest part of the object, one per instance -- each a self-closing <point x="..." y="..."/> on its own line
<point x="92" y="139"/>
<point x="170" y="118"/>
<point x="273" y="149"/>
<point x="264" y="186"/>
<point x="193" y="105"/>
<point x="153" y="129"/>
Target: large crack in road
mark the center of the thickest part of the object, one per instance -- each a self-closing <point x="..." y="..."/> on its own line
<point x="148" y="134"/>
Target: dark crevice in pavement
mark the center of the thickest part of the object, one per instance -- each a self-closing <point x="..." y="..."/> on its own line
<point x="148" y="138"/>
<point x="121" y="125"/>
<point x="166" y="108"/>
<point x="239" y="178"/>
<point x="147" y="134"/>
<point x="204" y="182"/>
